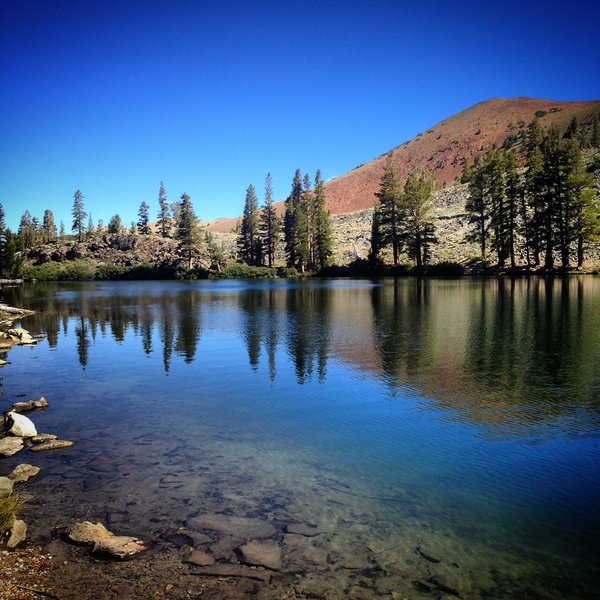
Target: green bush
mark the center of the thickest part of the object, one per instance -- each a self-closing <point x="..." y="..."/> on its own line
<point x="78" y="270"/>
<point x="446" y="269"/>
<point x="242" y="271"/>
<point x="107" y="272"/>
<point x="47" y="272"/>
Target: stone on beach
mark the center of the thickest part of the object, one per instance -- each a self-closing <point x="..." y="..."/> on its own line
<point x="87" y="532"/>
<point x="10" y="445"/>
<point x="24" y="472"/>
<point x="105" y="541"/>
<point x="118" y="546"/>
<point x="18" y="533"/>
<point x="21" y="426"/>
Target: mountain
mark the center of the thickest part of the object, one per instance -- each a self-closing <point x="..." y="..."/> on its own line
<point x="443" y="147"/>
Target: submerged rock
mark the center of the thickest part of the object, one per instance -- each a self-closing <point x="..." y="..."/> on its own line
<point x="51" y="445"/>
<point x="10" y="445"/>
<point x="233" y="571"/>
<point x="21" y="426"/>
<point x="199" y="558"/>
<point x="43" y="437"/>
<point x="244" y="527"/>
<point x="23" y="472"/>
<point x="427" y="554"/>
<point x="308" y="530"/>
<point x="262" y="554"/>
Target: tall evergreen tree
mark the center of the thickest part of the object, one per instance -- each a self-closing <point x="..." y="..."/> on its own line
<point x="143" y="219"/>
<point x="2" y="219"/>
<point x="164" y="214"/>
<point x="26" y="231"/>
<point x="323" y="241"/>
<point x="90" y="227"/>
<point x="249" y="243"/>
<point x="390" y="215"/>
<point x="269" y="224"/>
<point x="290" y="219"/>
<point x="79" y="215"/>
<point x="49" y="226"/>
<point x="187" y="229"/>
<point x="417" y="207"/>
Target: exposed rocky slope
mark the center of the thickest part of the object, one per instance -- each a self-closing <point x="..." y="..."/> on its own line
<point x="442" y="147"/>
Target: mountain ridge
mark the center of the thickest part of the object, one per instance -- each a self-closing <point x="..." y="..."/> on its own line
<point x="443" y="147"/>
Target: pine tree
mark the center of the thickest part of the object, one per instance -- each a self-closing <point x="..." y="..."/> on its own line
<point x="115" y="224"/>
<point x="79" y="215"/>
<point x="2" y="219"/>
<point x="477" y="206"/>
<point x="417" y="207"/>
<point x="49" y="226"/>
<point x="90" y="227"/>
<point x="323" y="241"/>
<point x="62" y="230"/>
<point x="249" y="242"/>
<point x="25" y="231"/>
<point x="269" y="224"/>
<point x="290" y="219"/>
<point x="187" y="229"/>
<point x="164" y="214"/>
<point x="390" y="216"/>
<point x="143" y="219"/>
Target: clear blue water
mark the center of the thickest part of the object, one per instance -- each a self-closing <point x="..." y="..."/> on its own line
<point x="461" y="416"/>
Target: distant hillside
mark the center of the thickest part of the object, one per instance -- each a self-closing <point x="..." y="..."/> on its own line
<point x="443" y="147"/>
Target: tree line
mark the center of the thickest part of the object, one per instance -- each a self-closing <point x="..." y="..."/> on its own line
<point x="529" y="206"/>
<point x="538" y="207"/>
<point x="304" y="230"/>
<point x="305" y="226"/>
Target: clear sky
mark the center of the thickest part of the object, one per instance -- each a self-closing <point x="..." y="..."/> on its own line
<point x="113" y="97"/>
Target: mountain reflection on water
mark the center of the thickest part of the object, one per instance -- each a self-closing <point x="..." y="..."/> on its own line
<point x="460" y="416"/>
<point x="514" y="351"/>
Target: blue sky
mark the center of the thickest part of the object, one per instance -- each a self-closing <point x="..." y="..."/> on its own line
<point x="113" y="97"/>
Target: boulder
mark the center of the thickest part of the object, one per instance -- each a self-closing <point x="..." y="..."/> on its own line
<point x="308" y="530"/>
<point x="10" y="445"/>
<point x="6" y="486"/>
<point x="119" y="546"/>
<point x="23" y="473"/>
<point x="88" y="533"/>
<point x="21" y="426"/>
<point x="41" y="402"/>
<point x="18" y="533"/>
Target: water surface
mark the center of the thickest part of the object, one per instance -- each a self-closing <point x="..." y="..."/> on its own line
<point x="461" y="417"/>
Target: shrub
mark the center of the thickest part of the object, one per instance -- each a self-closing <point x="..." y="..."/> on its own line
<point x="243" y="271"/>
<point x="446" y="269"/>
<point x="8" y="509"/>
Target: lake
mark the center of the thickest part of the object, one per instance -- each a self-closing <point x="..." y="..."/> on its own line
<point x="436" y="436"/>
